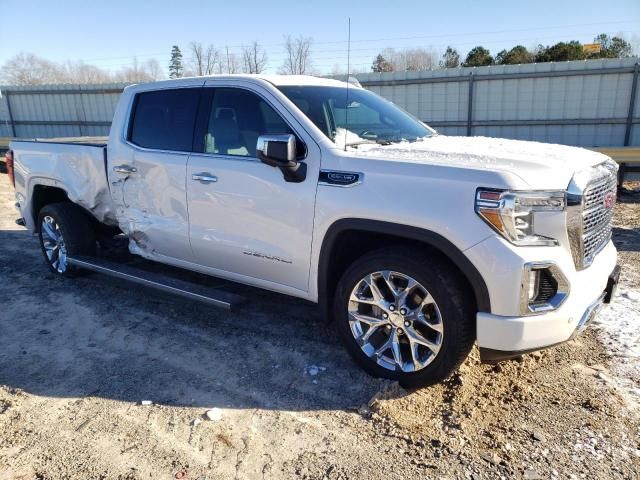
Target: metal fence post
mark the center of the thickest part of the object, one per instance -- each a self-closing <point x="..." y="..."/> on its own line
<point x="13" y="125"/>
<point x="632" y="104"/>
<point x="470" y="106"/>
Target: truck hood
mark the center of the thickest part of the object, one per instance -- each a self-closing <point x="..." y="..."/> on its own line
<point x="539" y="165"/>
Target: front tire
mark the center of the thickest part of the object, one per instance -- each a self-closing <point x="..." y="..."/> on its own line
<point x="65" y="230"/>
<point x="403" y="315"/>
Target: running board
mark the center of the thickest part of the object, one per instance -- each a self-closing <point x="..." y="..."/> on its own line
<point x="193" y="291"/>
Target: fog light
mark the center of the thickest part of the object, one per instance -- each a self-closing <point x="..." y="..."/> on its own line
<point x="534" y="279"/>
<point x="544" y="288"/>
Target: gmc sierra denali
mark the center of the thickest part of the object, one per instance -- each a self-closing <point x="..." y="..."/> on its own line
<point x="416" y="245"/>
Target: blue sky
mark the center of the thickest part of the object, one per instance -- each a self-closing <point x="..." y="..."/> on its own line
<point x="110" y="33"/>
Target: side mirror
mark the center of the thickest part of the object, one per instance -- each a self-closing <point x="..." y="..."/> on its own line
<point x="280" y="151"/>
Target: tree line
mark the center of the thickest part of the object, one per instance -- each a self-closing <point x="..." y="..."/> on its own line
<point x="208" y="60"/>
<point x="200" y="59"/>
<point x="30" y="69"/>
<point x="391" y="60"/>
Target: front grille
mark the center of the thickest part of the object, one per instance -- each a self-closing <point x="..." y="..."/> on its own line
<point x="597" y="216"/>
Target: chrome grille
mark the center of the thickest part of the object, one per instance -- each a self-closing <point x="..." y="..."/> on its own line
<point x="596" y="216"/>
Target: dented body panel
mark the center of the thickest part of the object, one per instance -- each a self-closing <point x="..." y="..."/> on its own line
<point x="78" y="169"/>
<point x="151" y="200"/>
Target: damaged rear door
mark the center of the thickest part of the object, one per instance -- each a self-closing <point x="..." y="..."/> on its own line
<point x="148" y="176"/>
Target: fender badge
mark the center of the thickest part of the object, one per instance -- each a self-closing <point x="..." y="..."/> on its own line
<point x="339" y="179"/>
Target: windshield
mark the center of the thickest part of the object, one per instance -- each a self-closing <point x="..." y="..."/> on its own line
<point x="367" y="119"/>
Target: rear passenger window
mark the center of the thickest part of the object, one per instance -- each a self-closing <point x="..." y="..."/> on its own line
<point x="165" y="119"/>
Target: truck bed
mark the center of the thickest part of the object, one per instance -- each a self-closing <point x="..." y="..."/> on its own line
<point x="75" y="165"/>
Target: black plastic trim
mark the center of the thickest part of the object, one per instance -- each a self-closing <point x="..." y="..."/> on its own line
<point x="612" y="284"/>
<point x="403" y="231"/>
<point x="489" y="355"/>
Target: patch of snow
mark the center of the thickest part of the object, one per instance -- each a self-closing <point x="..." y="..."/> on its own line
<point x="523" y="158"/>
<point x="344" y="136"/>
<point x="313" y="370"/>
<point x="215" y="414"/>
<point x="632" y="295"/>
<point x="484" y="150"/>
<point x="618" y="326"/>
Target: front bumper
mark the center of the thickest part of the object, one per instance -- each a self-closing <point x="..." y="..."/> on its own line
<point x="505" y="336"/>
<point x="489" y="355"/>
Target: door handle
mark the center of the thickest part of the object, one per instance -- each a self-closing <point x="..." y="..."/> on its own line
<point x="204" y="177"/>
<point x="126" y="169"/>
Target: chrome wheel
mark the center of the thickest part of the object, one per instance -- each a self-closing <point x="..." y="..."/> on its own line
<point x="395" y="321"/>
<point x="53" y="244"/>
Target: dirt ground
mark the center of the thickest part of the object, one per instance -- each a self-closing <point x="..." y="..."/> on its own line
<point x="77" y="358"/>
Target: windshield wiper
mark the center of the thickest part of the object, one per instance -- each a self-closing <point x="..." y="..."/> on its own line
<point x="369" y="142"/>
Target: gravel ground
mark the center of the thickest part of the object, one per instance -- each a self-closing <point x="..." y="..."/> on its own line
<point x="78" y="357"/>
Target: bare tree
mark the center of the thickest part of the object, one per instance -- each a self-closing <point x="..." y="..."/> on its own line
<point x="154" y="69"/>
<point x="254" y="58"/>
<point x="229" y="62"/>
<point x="410" y="59"/>
<point x="203" y="60"/>
<point x="340" y="70"/>
<point x="80" y="72"/>
<point x="137" y="72"/>
<point x="298" y="55"/>
<point x="29" y="69"/>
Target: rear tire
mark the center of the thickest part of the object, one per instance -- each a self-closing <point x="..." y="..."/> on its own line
<point x="424" y="315"/>
<point x="65" y="230"/>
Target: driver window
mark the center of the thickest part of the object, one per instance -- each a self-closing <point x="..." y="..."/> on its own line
<point x="236" y="120"/>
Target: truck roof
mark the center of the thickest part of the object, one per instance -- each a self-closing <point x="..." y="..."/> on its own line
<point x="277" y="80"/>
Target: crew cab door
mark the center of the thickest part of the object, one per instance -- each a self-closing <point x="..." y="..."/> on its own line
<point x="246" y="220"/>
<point x="147" y="171"/>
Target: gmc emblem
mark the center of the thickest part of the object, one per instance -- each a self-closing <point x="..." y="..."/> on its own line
<point x="609" y="200"/>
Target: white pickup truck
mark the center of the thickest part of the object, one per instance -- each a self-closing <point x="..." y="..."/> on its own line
<point x="416" y="245"/>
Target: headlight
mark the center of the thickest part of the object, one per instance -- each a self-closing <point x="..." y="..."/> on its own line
<point x="513" y="214"/>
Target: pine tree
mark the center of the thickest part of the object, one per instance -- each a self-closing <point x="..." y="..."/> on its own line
<point x="561" y="52"/>
<point x="516" y="55"/>
<point x="175" y="64"/>
<point x="381" y="64"/>
<point x="478" y="57"/>
<point x="450" y="58"/>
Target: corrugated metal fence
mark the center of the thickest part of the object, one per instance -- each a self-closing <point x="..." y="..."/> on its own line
<point x="58" y="110"/>
<point x="586" y="103"/>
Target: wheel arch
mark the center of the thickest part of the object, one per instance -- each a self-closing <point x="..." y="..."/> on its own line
<point x="332" y="261"/>
<point x="43" y="195"/>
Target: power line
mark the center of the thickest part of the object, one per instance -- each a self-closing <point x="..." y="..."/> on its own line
<point x="371" y="51"/>
<point x="416" y="37"/>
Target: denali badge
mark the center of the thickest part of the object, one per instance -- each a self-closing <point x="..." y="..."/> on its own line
<point x="339" y="179"/>
<point x="342" y="177"/>
<point x="609" y="200"/>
